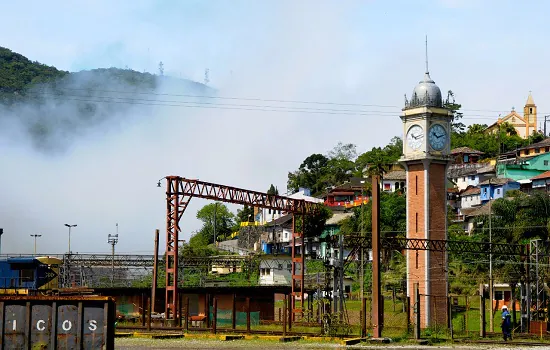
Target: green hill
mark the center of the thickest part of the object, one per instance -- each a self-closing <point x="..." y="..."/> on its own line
<point x="17" y="71"/>
<point x="53" y="106"/>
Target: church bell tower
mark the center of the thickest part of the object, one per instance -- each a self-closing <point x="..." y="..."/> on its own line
<point x="426" y="149"/>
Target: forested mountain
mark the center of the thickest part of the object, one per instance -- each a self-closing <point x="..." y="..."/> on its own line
<point x="53" y="107"/>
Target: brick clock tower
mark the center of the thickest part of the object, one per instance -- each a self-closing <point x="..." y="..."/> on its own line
<point x="426" y="148"/>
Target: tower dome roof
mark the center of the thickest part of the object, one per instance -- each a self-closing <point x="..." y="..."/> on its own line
<point x="426" y="93"/>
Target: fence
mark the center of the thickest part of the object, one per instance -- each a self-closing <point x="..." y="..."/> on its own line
<point x="225" y="318"/>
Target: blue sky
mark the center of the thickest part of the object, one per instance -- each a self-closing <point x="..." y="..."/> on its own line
<point x="490" y="53"/>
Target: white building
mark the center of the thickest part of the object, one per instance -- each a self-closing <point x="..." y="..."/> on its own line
<point x="464" y="175"/>
<point x="471" y="197"/>
<point x="276" y="270"/>
<point x="264" y="216"/>
<point x="394" y="180"/>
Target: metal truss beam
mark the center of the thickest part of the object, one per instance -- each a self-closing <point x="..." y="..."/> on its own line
<point x="179" y="192"/>
<point x="128" y="260"/>
<point x="399" y="243"/>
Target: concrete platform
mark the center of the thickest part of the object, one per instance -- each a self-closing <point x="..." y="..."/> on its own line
<point x="289" y="339"/>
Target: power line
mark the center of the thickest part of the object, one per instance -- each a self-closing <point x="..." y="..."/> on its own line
<point x="241" y="107"/>
<point x="269" y="100"/>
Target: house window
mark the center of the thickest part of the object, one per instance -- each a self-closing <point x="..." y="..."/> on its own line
<point x="473" y="177"/>
<point x="537" y="150"/>
<point x="387" y="187"/>
<point x="279" y="266"/>
<point x="466" y="159"/>
<point x="485" y="191"/>
<point x="498" y="190"/>
<point x="547" y="149"/>
<point x="464" y="179"/>
<point x="545" y="162"/>
<point x="499" y="295"/>
<point x="289" y="266"/>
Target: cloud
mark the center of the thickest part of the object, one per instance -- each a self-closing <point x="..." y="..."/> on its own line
<point x="357" y="52"/>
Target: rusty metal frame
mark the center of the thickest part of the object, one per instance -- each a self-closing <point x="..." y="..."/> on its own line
<point x="179" y="192"/>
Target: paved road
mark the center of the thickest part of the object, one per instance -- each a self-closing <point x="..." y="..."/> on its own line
<point x="136" y="343"/>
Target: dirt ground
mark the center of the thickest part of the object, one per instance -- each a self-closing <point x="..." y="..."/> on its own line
<point x="141" y="343"/>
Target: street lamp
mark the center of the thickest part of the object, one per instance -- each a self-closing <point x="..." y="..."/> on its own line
<point x="70" y="226"/>
<point x="35" y="237"/>
<point x="112" y="240"/>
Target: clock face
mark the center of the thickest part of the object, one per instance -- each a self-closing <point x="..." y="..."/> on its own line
<point x="437" y="137"/>
<point x="415" y="137"/>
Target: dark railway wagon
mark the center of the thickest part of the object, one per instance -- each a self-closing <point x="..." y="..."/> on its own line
<point x="75" y="322"/>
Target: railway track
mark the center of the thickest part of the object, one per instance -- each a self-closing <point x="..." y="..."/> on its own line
<point x="218" y="330"/>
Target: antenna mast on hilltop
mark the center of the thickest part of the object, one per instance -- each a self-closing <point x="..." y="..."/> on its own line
<point x="206" y="76"/>
<point x="161" y="68"/>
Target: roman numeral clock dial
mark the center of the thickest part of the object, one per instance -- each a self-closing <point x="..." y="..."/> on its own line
<point x="437" y="137"/>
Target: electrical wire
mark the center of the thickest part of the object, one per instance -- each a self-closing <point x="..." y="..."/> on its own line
<point x="243" y="107"/>
<point x="151" y="93"/>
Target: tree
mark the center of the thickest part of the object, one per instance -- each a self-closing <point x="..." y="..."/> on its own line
<point x="244" y="215"/>
<point x="456" y="126"/>
<point x="311" y="174"/>
<point x="273" y="190"/>
<point x="215" y="217"/>
<point x="377" y="160"/>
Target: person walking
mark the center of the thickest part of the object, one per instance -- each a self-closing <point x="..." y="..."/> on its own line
<point x="506" y="323"/>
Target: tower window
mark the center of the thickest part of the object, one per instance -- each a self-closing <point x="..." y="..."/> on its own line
<point x="416" y="184"/>
<point x="416" y="222"/>
<point x="530" y="110"/>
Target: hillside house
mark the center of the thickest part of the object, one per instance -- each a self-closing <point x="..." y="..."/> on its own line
<point x="465" y="155"/>
<point x="497" y="188"/>
<point x="347" y="195"/>
<point x="263" y="216"/>
<point x="471" y="197"/>
<point x="535" y="149"/>
<point x="394" y="180"/>
<point x="541" y="182"/>
<point x="276" y="270"/>
<point x="523" y="168"/>
<point x="470" y="174"/>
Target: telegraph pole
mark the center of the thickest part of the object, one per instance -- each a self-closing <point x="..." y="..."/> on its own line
<point x="491" y="314"/>
<point x="546" y="118"/>
<point x="35" y="237"/>
<point x="112" y="240"/>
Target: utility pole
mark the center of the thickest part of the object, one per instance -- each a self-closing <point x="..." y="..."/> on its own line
<point x="112" y="240"/>
<point x="377" y="300"/>
<point x="35" y="237"/>
<point x="546" y="118"/>
<point x="491" y="314"/>
<point x="362" y="259"/>
<point x="216" y="220"/>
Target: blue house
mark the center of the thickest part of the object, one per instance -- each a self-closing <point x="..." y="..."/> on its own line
<point x="496" y="188"/>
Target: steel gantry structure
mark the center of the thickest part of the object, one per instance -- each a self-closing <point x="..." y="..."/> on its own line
<point x="179" y="192"/>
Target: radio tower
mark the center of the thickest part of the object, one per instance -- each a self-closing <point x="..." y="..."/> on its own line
<point x="206" y="78"/>
<point x="113" y="240"/>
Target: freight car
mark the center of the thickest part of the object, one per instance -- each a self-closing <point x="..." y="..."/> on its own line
<point x="29" y="275"/>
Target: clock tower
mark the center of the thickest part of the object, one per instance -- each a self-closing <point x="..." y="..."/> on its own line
<point x="426" y="148"/>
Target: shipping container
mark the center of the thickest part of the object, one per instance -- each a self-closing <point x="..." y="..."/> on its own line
<point x="50" y="322"/>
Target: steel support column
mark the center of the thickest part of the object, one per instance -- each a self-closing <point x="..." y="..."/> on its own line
<point x="377" y="301"/>
<point x="297" y="279"/>
<point x="175" y="206"/>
